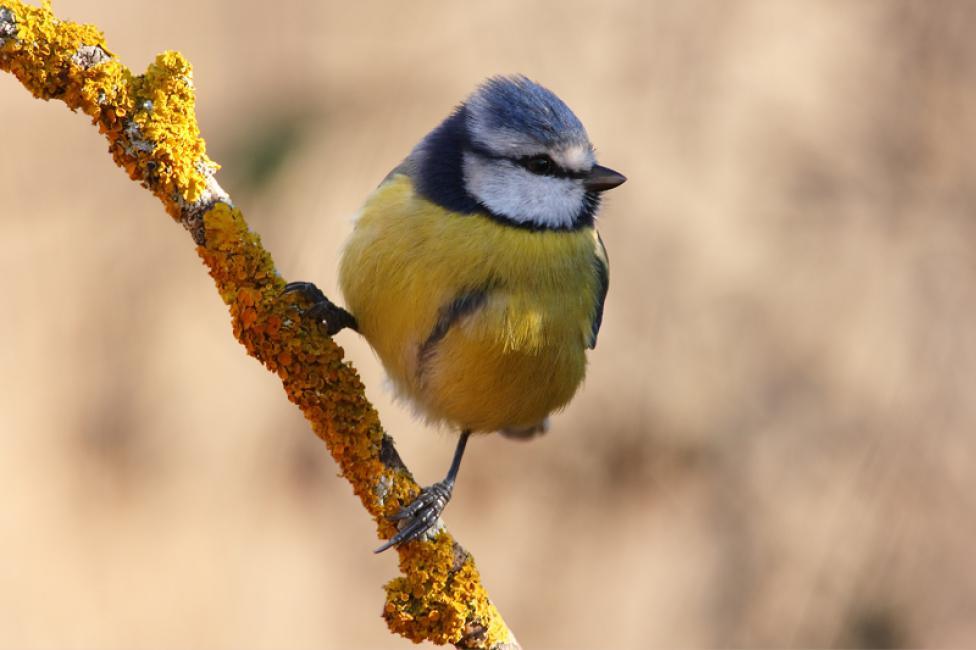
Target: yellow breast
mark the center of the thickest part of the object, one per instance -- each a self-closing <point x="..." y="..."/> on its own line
<point x="516" y="353"/>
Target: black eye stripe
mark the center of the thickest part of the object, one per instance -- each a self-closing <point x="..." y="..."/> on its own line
<point x="525" y="161"/>
<point x="555" y="170"/>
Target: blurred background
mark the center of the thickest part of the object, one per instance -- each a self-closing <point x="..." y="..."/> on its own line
<point x="775" y="443"/>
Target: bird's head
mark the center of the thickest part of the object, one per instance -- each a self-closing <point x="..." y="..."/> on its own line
<point x="513" y="149"/>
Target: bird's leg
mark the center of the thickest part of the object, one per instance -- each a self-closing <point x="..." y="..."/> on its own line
<point x="322" y="309"/>
<point x="421" y="514"/>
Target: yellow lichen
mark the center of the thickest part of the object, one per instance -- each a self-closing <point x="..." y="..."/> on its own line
<point x="149" y="119"/>
<point x="150" y="123"/>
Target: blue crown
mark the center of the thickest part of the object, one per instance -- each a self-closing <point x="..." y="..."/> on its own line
<point x="519" y="104"/>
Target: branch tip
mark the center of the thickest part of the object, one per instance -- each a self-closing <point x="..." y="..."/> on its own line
<point x="150" y="123"/>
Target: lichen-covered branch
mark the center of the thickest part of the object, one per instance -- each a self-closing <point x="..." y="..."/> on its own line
<point x="150" y="123"/>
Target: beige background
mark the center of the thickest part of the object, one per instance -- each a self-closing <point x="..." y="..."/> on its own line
<point x="775" y="444"/>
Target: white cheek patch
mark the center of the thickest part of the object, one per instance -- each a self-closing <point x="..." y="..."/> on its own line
<point x="518" y="194"/>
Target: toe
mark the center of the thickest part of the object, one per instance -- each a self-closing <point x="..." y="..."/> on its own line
<point x="419" y="516"/>
<point x="307" y="289"/>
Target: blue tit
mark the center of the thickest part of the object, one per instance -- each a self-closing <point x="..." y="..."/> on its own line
<point x="476" y="273"/>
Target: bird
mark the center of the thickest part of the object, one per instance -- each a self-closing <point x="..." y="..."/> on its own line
<point x="476" y="273"/>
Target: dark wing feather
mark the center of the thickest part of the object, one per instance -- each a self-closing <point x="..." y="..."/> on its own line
<point x="463" y="304"/>
<point x="601" y="264"/>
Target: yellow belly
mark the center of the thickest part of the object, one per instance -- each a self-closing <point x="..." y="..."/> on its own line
<point x="507" y="364"/>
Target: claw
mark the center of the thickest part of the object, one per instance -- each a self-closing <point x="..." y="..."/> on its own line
<point x="307" y="289"/>
<point x="421" y="514"/>
<point x="322" y="309"/>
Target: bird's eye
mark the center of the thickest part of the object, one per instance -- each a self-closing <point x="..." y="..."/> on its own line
<point x="541" y="164"/>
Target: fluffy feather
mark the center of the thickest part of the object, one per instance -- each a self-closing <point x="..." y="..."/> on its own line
<point x="504" y="365"/>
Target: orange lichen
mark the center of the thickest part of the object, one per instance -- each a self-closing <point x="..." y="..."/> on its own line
<point x="440" y="598"/>
<point x="150" y="123"/>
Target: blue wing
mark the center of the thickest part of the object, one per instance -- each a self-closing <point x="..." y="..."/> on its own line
<point x="601" y="265"/>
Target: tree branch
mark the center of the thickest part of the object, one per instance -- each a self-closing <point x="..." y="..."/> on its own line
<point x="150" y="123"/>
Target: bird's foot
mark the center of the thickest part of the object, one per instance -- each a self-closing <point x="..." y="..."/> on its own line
<point x="322" y="309"/>
<point x="421" y="514"/>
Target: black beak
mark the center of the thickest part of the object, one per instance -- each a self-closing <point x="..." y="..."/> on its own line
<point x="601" y="179"/>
